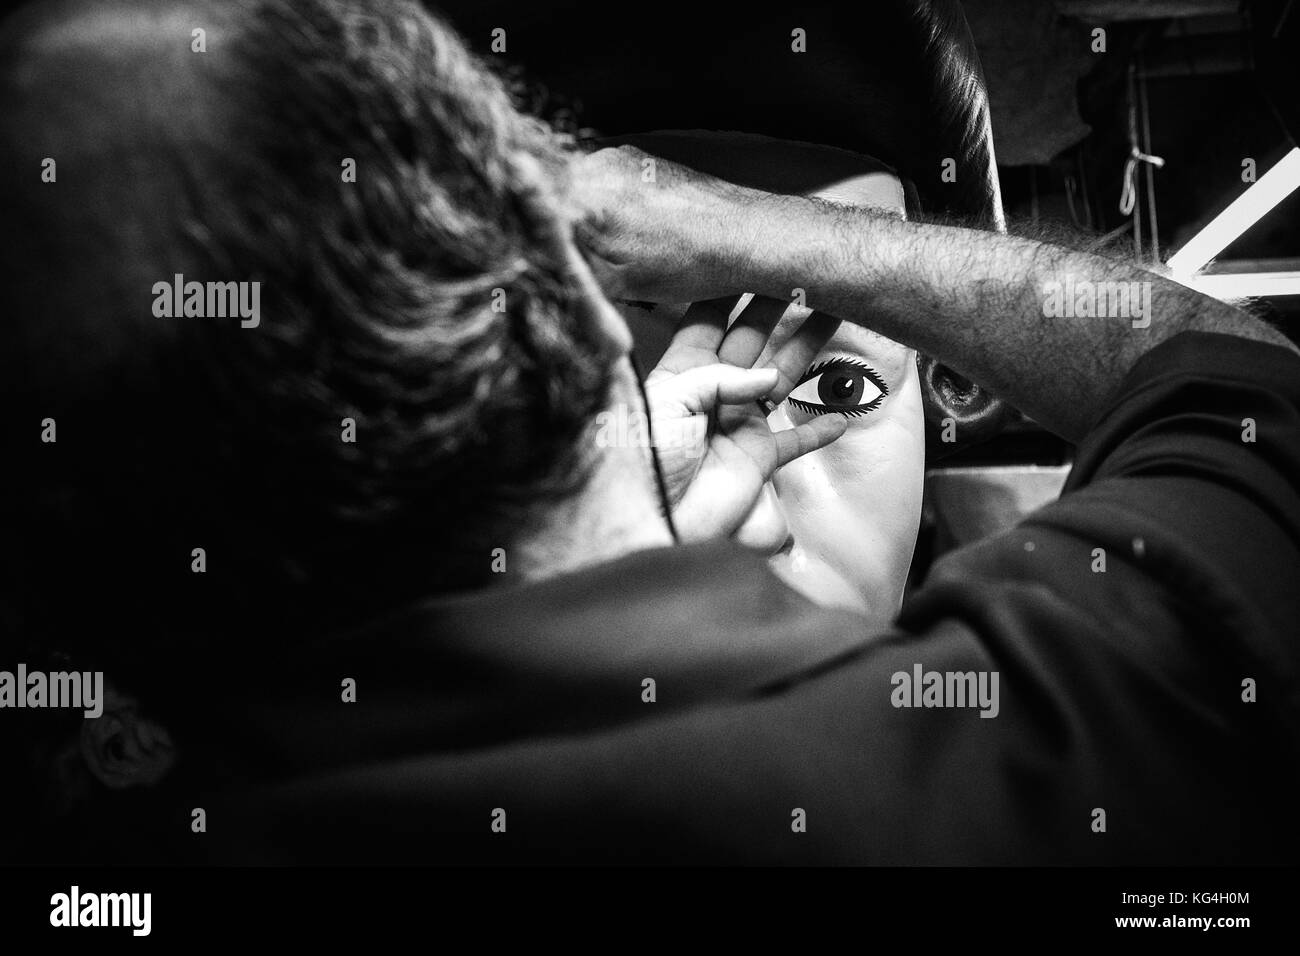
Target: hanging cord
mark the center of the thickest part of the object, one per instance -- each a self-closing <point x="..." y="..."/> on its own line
<point x="1088" y="217"/>
<point x="660" y="481"/>
<point x="1033" y="194"/>
<point x="1102" y="242"/>
<point x="1128" y="196"/>
<point x="1150" y="166"/>
<point x="1071" y="188"/>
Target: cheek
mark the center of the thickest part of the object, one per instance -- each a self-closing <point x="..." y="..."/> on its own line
<point x="856" y="505"/>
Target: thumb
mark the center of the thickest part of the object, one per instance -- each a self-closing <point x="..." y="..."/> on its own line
<point x="700" y="390"/>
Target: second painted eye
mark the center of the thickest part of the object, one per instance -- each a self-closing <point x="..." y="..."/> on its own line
<point x="839" y="385"/>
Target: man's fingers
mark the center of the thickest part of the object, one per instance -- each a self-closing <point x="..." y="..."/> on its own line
<point x="794" y="356"/>
<point x="753" y="384"/>
<point x="539" y="198"/>
<point x="744" y="341"/>
<point x="722" y="494"/>
<point x="792" y="443"/>
<point x="698" y="334"/>
<point x="703" y="388"/>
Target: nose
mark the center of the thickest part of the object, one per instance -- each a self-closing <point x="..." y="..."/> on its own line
<point x="765" y="528"/>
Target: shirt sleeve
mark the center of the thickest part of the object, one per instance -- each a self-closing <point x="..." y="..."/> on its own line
<point x="1200" y="450"/>
<point x="1144" y="625"/>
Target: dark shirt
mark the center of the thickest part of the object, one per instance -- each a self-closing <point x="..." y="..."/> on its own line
<point x="1119" y="690"/>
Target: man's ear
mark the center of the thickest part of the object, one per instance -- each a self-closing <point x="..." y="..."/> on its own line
<point x="958" y="413"/>
<point x="122" y="747"/>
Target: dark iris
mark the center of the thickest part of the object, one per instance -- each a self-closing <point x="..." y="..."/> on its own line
<point x="844" y="388"/>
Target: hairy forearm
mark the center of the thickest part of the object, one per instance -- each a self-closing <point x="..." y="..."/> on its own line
<point x="1002" y="310"/>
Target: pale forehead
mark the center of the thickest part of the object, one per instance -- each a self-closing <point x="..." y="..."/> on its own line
<point x="885" y="355"/>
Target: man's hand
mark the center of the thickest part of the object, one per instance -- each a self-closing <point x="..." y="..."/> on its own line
<point x="654" y="230"/>
<point x="715" y="446"/>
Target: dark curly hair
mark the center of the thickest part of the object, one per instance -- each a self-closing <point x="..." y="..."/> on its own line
<point x="381" y="302"/>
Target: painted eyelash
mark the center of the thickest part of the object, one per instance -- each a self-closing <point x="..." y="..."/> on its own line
<point x="856" y="412"/>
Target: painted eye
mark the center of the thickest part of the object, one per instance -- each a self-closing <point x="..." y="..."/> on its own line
<point x="839" y="385"/>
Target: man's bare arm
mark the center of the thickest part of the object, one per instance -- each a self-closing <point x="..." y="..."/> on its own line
<point x="987" y="304"/>
<point x="977" y="301"/>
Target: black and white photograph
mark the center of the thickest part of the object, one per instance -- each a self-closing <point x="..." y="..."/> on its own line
<point x="482" y="443"/>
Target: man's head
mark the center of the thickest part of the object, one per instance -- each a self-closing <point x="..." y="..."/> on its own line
<point x="421" y="369"/>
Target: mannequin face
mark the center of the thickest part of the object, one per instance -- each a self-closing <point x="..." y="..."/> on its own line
<point x="854" y="507"/>
<point x="840" y="523"/>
